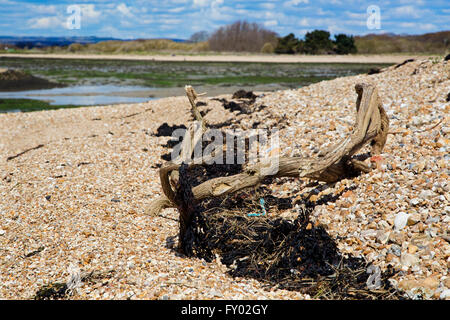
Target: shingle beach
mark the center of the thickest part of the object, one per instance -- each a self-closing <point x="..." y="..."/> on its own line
<point x="75" y="185"/>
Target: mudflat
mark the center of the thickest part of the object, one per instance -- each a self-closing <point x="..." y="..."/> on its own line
<point x="230" y="57"/>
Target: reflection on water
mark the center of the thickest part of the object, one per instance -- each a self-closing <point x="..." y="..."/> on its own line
<point x="81" y="95"/>
<point x="100" y="82"/>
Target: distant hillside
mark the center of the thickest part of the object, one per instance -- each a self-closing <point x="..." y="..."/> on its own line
<point x="430" y="43"/>
<point x="437" y="42"/>
<point x="40" y="42"/>
<point x="136" y="46"/>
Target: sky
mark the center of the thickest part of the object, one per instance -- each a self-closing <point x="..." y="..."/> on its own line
<point x="181" y="18"/>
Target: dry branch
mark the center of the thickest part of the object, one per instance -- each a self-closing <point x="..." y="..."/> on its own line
<point x="372" y="125"/>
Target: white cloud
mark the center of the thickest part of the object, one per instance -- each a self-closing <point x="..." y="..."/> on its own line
<point x="303" y="22"/>
<point x="406" y="11"/>
<point x="418" y="26"/>
<point x="88" y="11"/>
<point x="201" y="3"/>
<point x="46" y="23"/>
<point x="43" y="9"/>
<point x="416" y="2"/>
<point x="171" y="22"/>
<point x="187" y="16"/>
<point x="110" y="31"/>
<point x="176" y="10"/>
<point x="206" y="3"/>
<point x="322" y="12"/>
<point x="356" y="15"/>
<point x="268" y="6"/>
<point x="296" y="2"/>
<point x="271" y="23"/>
<point x="8" y="2"/>
<point x="123" y="9"/>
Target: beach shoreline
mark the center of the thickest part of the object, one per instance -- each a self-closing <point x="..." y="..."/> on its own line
<point x="254" y="58"/>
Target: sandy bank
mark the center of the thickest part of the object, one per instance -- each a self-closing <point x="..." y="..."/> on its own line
<point x="230" y="58"/>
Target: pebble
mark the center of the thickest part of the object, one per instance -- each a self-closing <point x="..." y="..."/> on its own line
<point x="396" y="250"/>
<point x="401" y="219"/>
<point x="383" y="236"/>
<point x="445" y="294"/>
<point x="426" y="194"/>
<point x="370" y="233"/>
<point x="83" y="219"/>
<point x="429" y="283"/>
<point x="412" y="249"/>
<point x="414" y="218"/>
<point x="409" y="260"/>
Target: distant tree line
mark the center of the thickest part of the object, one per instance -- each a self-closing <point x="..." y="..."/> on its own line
<point x="199" y="36"/>
<point x="242" y="36"/>
<point x="316" y="42"/>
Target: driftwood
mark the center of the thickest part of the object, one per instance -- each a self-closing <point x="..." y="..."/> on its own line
<point x="333" y="164"/>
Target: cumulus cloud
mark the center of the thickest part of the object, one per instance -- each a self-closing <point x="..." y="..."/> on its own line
<point x="88" y="11"/>
<point x="206" y="3"/>
<point x="187" y="16"/>
<point x="201" y="3"/>
<point x="44" y="9"/>
<point x="356" y="15"/>
<point x="406" y="11"/>
<point x="123" y="9"/>
<point x="415" y="2"/>
<point x="268" y="5"/>
<point x="8" y="2"/>
<point x="296" y="2"/>
<point x="418" y="26"/>
<point x="46" y="23"/>
<point x="271" y="23"/>
<point x="303" y="22"/>
<point x="176" y="9"/>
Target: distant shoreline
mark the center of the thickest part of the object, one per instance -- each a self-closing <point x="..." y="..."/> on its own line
<point x="389" y="58"/>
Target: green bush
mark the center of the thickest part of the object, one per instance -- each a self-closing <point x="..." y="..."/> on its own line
<point x="287" y="44"/>
<point x="344" y="44"/>
<point x="318" y="42"/>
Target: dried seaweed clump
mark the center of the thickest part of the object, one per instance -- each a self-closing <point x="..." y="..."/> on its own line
<point x="293" y="255"/>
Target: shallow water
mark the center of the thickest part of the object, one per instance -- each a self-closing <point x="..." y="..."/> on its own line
<point x="81" y="95"/>
<point x="100" y="82"/>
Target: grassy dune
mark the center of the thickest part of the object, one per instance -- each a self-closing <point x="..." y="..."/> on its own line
<point x="134" y="47"/>
<point x="430" y="43"/>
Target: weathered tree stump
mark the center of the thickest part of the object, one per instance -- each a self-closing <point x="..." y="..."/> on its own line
<point x="333" y="164"/>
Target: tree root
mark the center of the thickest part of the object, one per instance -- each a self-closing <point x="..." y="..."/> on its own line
<point x="336" y="163"/>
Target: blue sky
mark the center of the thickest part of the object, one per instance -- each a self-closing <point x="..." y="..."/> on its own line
<point x="181" y="18"/>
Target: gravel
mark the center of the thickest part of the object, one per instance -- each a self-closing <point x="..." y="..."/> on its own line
<point x="80" y="200"/>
